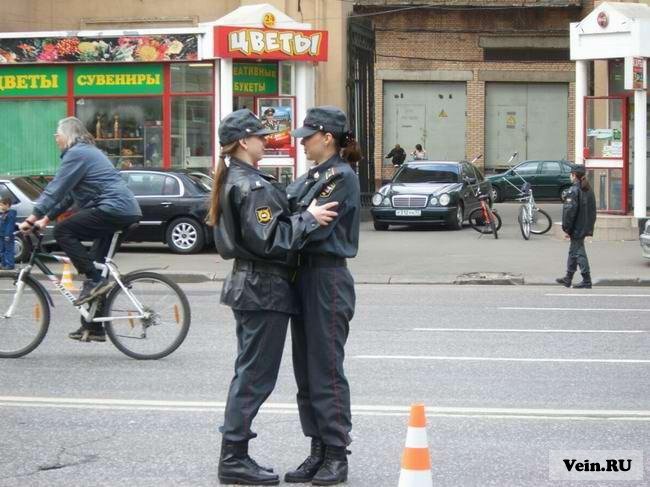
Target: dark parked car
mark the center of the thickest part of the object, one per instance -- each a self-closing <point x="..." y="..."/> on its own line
<point x="549" y="179"/>
<point x="644" y="239"/>
<point x="174" y="205"/>
<point x="23" y="191"/>
<point x="429" y="192"/>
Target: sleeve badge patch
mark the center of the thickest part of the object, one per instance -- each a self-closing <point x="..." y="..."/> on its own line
<point x="327" y="190"/>
<point x="264" y="215"/>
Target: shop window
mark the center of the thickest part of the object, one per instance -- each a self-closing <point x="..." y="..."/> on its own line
<point x="192" y="78"/>
<point x="191" y="142"/>
<point x="128" y="130"/>
<point x="286" y="78"/>
<point x="277" y="114"/>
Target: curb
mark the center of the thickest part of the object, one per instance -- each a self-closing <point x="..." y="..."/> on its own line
<point x="474" y="278"/>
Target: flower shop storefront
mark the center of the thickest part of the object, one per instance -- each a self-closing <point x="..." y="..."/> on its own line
<point x="146" y="98"/>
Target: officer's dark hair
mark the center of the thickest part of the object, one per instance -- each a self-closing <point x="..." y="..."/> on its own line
<point x="214" y="212"/>
<point x="348" y="147"/>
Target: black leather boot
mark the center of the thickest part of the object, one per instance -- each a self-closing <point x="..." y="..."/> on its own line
<point x="237" y="467"/>
<point x="566" y="280"/>
<point x="586" y="282"/>
<point x="334" y="469"/>
<point x="307" y="469"/>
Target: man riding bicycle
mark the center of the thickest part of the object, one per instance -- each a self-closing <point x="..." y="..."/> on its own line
<point x="105" y="205"/>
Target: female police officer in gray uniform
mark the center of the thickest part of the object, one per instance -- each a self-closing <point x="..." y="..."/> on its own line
<point x="253" y="226"/>
<point x="326" y="291"/>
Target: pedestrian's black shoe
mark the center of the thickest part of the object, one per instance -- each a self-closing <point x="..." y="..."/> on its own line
<point x="87" y="334"/>
<point x="91" y="289"/>
<point x="566" y="280"/>
<point x="237" y="467"/>
<point x="586" y="282"/>
<point x="334" y="469"/>
<point x="307" y="469"/>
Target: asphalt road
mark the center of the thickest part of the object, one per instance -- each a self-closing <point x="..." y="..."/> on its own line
<point x="507" y="374"/>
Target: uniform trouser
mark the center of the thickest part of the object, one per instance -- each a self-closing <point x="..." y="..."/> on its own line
<point x="260" y="342"/>
<point x="577" y="256"/>
<point x="318" y="338"/>
<point x="90" y="224"/>
<point x="7" y="250"/>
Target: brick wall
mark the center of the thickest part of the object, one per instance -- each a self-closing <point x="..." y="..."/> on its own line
<point x="432" y="40"/>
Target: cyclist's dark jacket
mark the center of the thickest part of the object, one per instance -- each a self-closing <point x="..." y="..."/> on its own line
<point x="579" y="212"/>
<point x="256" y="225"/>
<point x="86" y="179"/>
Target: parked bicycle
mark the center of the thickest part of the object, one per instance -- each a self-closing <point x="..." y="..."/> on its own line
<point x="145" y="314"/>
<point x="531" y="218"/>
<point x="484" y="219"/>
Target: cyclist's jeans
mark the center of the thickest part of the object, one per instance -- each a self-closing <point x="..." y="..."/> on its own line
<point x="89" y="224"/>
<point x="578" y="256"/>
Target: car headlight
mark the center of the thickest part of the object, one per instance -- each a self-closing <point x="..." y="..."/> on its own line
<point x="377" y="198"/>
<point x="444" y="199"/>
<point x="433" y="201"/>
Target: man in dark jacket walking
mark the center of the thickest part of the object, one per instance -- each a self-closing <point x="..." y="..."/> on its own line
<point x="398" y="154"/>
<point x="578" y="220"/>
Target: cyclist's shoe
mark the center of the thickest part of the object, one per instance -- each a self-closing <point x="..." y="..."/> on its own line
<point x="88" y="334"/>
<point x="91" y="289"/>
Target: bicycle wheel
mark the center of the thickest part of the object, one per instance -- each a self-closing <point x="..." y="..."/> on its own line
<point x="524" y="222"/>
<point x="479" y="223"/>
<point x="165" y="327"/>
<point x="541" y="222"/>
<point x="25" y="329"/>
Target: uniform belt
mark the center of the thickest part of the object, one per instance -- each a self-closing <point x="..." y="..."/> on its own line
<point x="307" y="260"/>
<point x="263" y="267"/>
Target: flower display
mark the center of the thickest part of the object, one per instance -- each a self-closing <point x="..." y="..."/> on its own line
<point x="106" y="49"/>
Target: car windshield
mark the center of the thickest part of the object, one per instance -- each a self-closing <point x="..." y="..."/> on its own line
<point x="433" y="173"/>
<point x="31" y="187"/>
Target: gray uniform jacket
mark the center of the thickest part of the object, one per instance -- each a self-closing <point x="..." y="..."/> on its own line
<point x="256" y="225"/>
<point x="86" y="179"/>
<point x="579" y="212"/>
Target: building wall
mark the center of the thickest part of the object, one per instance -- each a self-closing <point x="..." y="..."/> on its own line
<point x="44" y="15"/>
<point x="438" y="44"/>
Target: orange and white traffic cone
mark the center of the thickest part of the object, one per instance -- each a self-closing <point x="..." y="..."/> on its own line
<point x="66" y="277"/>
<point x="416" y="462"/>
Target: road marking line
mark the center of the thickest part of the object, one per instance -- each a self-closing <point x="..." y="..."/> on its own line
<point x="599" y="295"/>
<point x="289" y="408"/>
<point x="645" y="310"/>
<point x="532" y="330"/>
<point x="502" y="359"/>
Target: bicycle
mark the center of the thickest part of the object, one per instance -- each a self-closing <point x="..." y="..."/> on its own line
<point x="145" y="314"/>
<point x="484" y="219"/>
<point x="531" y="218"/>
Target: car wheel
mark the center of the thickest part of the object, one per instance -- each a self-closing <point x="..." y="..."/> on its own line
<point x="185" y="236"/>
<point x="380" y="227"/>
<point x="22" y="248"/>
<point x="495" y="194"/>
<point x="564" y="191"/>
<point x="457" y="221"/>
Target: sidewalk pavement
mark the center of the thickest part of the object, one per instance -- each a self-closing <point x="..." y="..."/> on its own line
<point x="435" y="255"/>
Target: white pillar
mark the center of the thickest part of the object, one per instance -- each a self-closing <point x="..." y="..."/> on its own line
<point x="640" y="161"/>
<point x="305" y="91"/>
<point x="217" y="110"/>
<point x="581" y="85"/>
<point x="225" y="87"/>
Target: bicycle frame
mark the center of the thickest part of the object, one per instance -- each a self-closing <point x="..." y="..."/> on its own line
<point x="87" y="311"/>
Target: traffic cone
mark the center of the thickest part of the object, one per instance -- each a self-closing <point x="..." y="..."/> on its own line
<point x="416" y="462"/>
<point x="66" y="277"/>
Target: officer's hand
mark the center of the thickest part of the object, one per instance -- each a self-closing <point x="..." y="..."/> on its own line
<point x="323" y="214"/>
<point x="42" y="223"/>
<point x="25" y="227"/>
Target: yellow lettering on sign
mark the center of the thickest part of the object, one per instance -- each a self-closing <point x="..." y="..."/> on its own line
<point x="81" y="80"/>
<point x="132" y="79"/>
<point x="153" y="79"/>
<point x="21" y="82"/>
<point x="10" y="82"/>
<point x="110" y="79"/>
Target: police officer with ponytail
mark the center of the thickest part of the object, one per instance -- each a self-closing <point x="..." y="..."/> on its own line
<point x="326" y="291"/>
<point x="254" y="226"/>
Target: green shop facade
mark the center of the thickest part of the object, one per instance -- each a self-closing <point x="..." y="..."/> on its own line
<point x="154" y="98"/>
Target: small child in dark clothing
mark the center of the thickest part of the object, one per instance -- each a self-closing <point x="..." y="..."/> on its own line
<point x="7" y="229"/>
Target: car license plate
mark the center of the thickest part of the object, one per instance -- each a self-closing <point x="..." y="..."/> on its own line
<point x="408" y="212"/>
